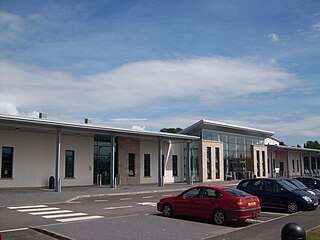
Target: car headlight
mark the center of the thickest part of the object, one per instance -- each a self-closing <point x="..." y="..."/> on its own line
<point x="307" y="199"/>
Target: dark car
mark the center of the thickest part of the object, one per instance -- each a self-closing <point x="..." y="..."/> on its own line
<point x="279" y="193"/>
<point x="301" y="186"/>
<point x="222" y="204"/>
<point x="310" y="182"/>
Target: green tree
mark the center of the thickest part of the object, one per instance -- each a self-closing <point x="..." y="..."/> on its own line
<point x="312" y="144"/>
<point x="171" y="130"/>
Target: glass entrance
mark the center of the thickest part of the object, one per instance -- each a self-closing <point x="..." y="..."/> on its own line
<point x="102" y="158"/>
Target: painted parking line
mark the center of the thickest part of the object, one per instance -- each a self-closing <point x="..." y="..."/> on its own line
<point x="148" y="197"/>
<point x="151" y="204"/>
<point x="50" y="212"/>
<point x="38" y="209"/>
<point x="25" y="207"/>
<point x="79" y="219"/>
<point x="125" y="199"/>
<point x="275" y="213"/>
<point x="13" y="230"/>
<point x="102" y="200"/>
<point x="66" y="215"/>
<point x="121" y="207"/>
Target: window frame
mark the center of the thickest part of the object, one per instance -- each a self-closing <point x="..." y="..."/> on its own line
<point x="6" y="161"/>
<point x="67" y="173"/>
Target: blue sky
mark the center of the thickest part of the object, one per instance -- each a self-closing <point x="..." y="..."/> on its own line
<point x="153" y="64"/>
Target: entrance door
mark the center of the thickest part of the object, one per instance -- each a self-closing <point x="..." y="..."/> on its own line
<point x="102" y="157"/>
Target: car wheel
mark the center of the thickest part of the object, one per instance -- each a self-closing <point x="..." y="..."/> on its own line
<point x="167" y="210"/>
<point x="219" y="217"/>
<point x="292" y="207"/>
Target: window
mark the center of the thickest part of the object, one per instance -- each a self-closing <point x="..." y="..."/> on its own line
<point x="69" y="170"/>
<point x="217" y="163"/>
<point x="131" y="165"/>
<point x="7" y="162"/>
<point x="263" y="163"/>
<point x="258" y="163"/>
<point x="210" y="193"/>
<point x="163" y="166"/>
<point x="147" y="165"/>
<point x="175" y="165"/>
<point x="209" y="175"/>
<point x="292" y="165"/>
<point x="298" y="169"/>
<point x="192" y="193"/>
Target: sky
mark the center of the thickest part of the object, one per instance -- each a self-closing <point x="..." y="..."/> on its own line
<point x="150" y="64"/>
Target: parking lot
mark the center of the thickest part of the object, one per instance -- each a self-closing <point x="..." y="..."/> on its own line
<point x="134" y="216"/>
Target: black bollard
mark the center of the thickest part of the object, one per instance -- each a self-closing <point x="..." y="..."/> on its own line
<point x="292" y="231"/>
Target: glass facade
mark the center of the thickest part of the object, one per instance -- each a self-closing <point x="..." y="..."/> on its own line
<point x="237" y="151"/>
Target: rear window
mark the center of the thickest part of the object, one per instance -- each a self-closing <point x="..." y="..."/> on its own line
<point x="236" y="192"/>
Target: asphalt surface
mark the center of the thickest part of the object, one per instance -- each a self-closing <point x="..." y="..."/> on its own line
<point x="127" y="212"/>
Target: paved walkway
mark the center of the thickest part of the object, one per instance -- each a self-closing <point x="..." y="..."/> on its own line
<point x="13" y="197"/>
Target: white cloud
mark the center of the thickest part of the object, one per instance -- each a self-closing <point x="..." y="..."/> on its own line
<point x="139" y="128"/>
<point x="200" y="80"/>
<point x="274" y="37"/>
<point x="8" y="108"/>
<point x="10" y="26"/>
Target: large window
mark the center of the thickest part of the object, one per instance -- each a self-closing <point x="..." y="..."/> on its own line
<point x="7" y="162"/>
<point x="69" y="169"/>
<point x="147" y="166"/>
<point x="131" y="165"/>
<point x="209" y="175"/>
<point x="217" y="155"/>
<point x="258" y="163"/>
<point x="175" y="165"/>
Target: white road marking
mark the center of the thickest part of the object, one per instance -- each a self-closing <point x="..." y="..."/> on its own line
<point x="255" y="220"/>
<point x="274" y="213"/>
<point x="24" y="207"/>
<point x="124" y="199"/>
<point x="66" y="215"/>
<point x="79" y="219"/>
<point x="38" y="209"/>
<point x="13" y="230"/>
<point x="50" y="212"/>
<point x="151" y="204"/>
<point x="148" y="197"/>
<point x="113" y="208"/>
<point x="167" y="195"/>
<point x="102" y="200"/>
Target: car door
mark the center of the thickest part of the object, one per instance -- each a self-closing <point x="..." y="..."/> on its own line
<point x="185" y="203"/>
<point x="274" y="194"/>
<point x="207" y="201"/>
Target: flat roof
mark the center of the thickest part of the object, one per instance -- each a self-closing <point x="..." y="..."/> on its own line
<point x="43" y="125"/>
<point x="287" y="148"/>
<point x="225" y="127"/>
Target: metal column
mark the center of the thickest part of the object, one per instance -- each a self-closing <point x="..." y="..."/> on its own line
<point x="160" y="177"/>
<point x="58" y="162"/>
<point x="112" y="163"/>
<point x="189" y="168"/>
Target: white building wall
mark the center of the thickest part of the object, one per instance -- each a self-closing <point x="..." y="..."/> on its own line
<point x="34" y="158"/>
<point x="168" y="149"/>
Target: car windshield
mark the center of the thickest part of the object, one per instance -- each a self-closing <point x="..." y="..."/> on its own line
<point x="236" y="192"/>
<point x="288" y="185"/>
<point x="299" y="184"/>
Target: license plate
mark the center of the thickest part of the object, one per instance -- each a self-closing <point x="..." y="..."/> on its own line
<point x="251" y="203"/>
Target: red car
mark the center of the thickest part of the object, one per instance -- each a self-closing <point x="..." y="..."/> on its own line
<point x="222" y="204"/>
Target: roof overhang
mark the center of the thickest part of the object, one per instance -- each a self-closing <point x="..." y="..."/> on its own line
<point x="18" y="123"/>
<point x="227" y="128"/>
<point x="298" y="149"/>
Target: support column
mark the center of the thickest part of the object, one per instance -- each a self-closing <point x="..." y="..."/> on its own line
<point x="58" y="162"/>
<point x="160" y="167"/>
<point x="289" y="175"/>
<point x="112" y="163"/>
<point x="189" y="168"/>
<point x="272" y="170"/>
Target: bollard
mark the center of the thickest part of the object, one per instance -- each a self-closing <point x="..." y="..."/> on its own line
<point x="292" y="231"/>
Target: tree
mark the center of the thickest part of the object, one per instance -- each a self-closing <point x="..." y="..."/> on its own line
<point x="171" y="130"/>
<point x="312" y="144"/>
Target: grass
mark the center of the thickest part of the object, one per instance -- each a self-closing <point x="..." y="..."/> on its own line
<point x="314" y="234"/>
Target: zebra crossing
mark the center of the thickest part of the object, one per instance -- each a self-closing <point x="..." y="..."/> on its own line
<point x="55" y="213"/>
